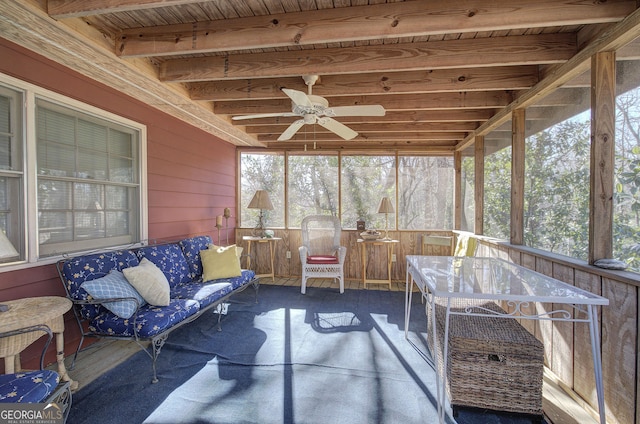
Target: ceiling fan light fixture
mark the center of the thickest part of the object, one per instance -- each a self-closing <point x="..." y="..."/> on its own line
<point x="315" y="109"/>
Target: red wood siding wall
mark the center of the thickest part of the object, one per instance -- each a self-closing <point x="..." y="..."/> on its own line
<point x="191" y="174"/>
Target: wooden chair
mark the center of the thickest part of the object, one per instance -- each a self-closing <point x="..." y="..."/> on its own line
<point x="441" y="244"/>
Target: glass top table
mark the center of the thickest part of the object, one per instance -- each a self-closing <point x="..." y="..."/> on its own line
<point x="458" y="278"/>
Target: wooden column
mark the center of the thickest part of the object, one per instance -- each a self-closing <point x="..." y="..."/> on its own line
<point x="603" y="94"/>
<point x="479" y="177"/>
<point x="457" y="190"/>
<point x="517" y="176"/>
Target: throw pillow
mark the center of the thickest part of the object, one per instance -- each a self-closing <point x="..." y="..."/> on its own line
<point x="220" y="262"/>
<point x="239" y="249"/>
<point x="150" y="282"/>
<point x="111" y="286"/>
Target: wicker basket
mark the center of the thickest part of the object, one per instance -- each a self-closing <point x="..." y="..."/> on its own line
<point x="494" y="363"/>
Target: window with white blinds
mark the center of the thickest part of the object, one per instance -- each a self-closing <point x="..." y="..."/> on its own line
<point x="88" y="180"/>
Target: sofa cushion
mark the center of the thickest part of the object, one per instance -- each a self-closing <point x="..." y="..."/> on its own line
<point x="191" y="248"/>
<point x="150" y="320"/>
<point x="111" y="286"/>
<point x="150" y="282"/>
<point x="77" y="270"/>
<point x="221" y="262"/>
<point x="204" y="293"/>
<point x="28" y="387"/>
<point x="170" y="259"/>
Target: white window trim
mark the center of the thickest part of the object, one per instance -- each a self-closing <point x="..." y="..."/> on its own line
<point x="31" y="92"/>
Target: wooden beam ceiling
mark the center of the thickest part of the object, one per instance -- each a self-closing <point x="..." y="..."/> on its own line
<point x="446" y="71"/>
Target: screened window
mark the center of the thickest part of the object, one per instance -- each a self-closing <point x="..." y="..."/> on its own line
<point x="467" y="188"/>
<point x="262" y="172"/>
<point x="497" y="182"/>
<point x="365" y="181"/>
<point x="312" y="186"/>
<point x="88" y="184"/>
<point x="349" y="186"/>
<point x="425" y="192"/>
<point x="626" y="214"/>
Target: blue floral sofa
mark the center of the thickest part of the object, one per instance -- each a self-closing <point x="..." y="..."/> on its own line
<point x="106" y="306"/>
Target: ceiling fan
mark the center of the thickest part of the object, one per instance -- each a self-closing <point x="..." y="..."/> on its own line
<point x="315" y="110"/>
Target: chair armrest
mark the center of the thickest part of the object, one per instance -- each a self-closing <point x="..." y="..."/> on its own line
<point x="304" y="252"/>
<point x="25" y="330"/>
<point x="342" y="254"/>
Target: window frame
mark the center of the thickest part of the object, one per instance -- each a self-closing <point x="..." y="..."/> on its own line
<point x="31" y="93"/>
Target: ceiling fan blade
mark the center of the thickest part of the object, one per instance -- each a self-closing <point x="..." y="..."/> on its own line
<point x="291" y="130"/>
<point x="263" y="115"/>
<point x="363" y="110"/>
<point x="298" y="97"/>
<point x="338" y="128"/>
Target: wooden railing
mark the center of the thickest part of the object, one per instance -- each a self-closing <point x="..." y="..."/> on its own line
<point x="567" y="345"/>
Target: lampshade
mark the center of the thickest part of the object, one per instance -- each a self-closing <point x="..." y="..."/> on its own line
<point x="261" y="201"/>
<point x="385" y="206"/>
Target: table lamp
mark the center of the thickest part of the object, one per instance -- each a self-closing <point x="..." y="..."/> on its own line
<point x="386" y="208"/>
<point x="260" y="201"/>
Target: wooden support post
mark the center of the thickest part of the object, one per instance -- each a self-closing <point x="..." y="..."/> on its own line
<point x="479" y="192"/>
<point x="458" y="201"/>
<point x="517" y="176"/>
<point x="603" y="95"/>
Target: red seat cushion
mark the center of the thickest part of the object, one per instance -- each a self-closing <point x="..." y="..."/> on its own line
<point x="322" y="259"/>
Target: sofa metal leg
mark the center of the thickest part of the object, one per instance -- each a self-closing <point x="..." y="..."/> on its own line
<point x="157" y="344"/>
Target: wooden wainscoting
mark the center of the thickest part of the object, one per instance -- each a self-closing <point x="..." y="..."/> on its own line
<point x="568" y="345"/>
<point x="409" y="244"/>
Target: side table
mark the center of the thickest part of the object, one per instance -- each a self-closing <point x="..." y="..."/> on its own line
<point x="26" y="312"/>
<point x="271" y="241"/>
<point x="389" y="244"/>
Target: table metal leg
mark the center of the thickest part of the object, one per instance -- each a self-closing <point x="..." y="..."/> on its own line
<point x="408" y="295"/>
<point x="597" y="360"/>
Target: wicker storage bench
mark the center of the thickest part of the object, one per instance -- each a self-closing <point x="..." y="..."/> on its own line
<point x="494" y="363"/>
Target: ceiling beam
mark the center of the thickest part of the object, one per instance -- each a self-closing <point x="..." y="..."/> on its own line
<point x="462" y="53"/>
<point x="357" y="23"/>
<point x="434" y="101"/>
<point x="25" y="24"/>
<point x="308" y="134"/>
<point x="425" y="81"/>
<point x="611" y="39"/>
<point x="406" y="147"/>
<point x="378" y="127"/>
<point x="60" y="9"/>
<point x="468" y="115"/>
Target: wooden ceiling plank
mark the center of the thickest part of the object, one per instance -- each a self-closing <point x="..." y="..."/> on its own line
<point x="60" y="9"/>
<point x="427" y="81"/>
<point x="381" y="21"/>
<point x="519" y="50"/>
